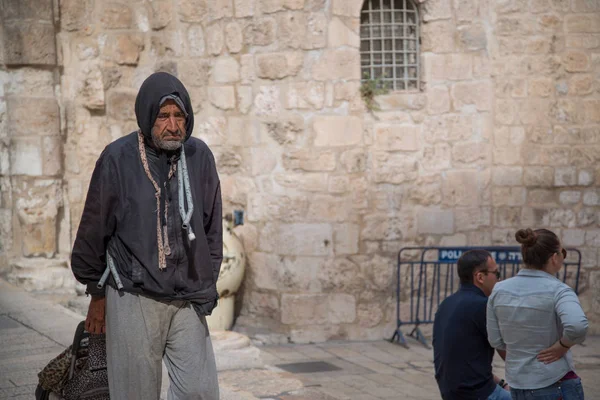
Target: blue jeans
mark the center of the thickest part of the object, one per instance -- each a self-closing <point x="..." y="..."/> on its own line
<point x="499" y="394"/>
<point x="571" y="389"/>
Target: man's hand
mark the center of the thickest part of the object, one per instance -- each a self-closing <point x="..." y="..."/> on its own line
<point x="94" y="323"/>
<point x="552" y="353"/>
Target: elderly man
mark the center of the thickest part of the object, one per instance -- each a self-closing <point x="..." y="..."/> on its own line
<point x="153" y="210"/>
<point x="461" y="351"/>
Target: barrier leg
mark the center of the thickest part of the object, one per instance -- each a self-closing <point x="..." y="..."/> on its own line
<point x="398" y="338"/>
<point x="418" y="335"/>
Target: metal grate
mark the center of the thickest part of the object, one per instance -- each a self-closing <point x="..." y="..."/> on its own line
<point x="389" y="43"/>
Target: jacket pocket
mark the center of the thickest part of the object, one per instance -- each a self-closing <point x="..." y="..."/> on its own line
<point x="137" y="272"/>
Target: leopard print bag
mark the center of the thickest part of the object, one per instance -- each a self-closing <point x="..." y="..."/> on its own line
<point x="79" y="372"/>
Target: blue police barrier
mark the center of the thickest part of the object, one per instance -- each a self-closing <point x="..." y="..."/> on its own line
<point x="430" y="276"/>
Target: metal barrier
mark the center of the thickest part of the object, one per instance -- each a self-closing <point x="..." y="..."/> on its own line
<point x="430" y="275"/>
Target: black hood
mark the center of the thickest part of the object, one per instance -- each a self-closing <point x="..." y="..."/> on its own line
<point x="147" y="102"/>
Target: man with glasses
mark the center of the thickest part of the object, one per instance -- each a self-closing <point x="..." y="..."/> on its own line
<point x="462" y="354"/>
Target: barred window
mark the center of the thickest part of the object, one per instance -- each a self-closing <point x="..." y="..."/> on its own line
<point x="389" y="43"/>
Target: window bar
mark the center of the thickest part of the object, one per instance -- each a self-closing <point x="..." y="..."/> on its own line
<point x="382" y="32"/>
<point x="417" y="47"/>
<point x="394" y="44"/>
<point x="371" y="55"/>
<point x="405" y="27"/>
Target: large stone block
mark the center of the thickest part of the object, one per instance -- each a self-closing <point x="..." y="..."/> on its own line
<point x="33" y="116"/>
<point x="215" y="39"/>
<point x="278" y="65"/>
<point x="401" y="101"/>
<point x="345" y="239"/>
<point x="222" y="97"/>
<point x="577" y="61"/>
<point x="160" y="13"/>
<point x="52" y="155"/>
<point x="282" y="130"/>
<point x="226" y="70"/>
<point x="302" y="309"/>
<point x="234" y="37"/>
<point x="310" y="160"/>
<point x="479" y="94"/>
<point x="116" y="16"/>
<point x="27" y="10"/>
<point x="437" y="157"/>
<point x="193" y="10"/>
<point x="291" y="30"/>
<point x="268" y="101"/>
<point x="261" y="32"/>
<point x="507" y="176"/>
<point x="121" y="104"/>
<point x="565" y="176"/>
<point x="471" y="153"/>
<point x="592" y="110"/>
<point x="395" y="168"/>
<point x="125" y="48"/>
<point x="435" y="221"/>
<point x="244" y="8"/>
<point x="346" y="8"/>
<point x="327" y="208"/>
<point x="509" y="196"/>
<point x="438" y="37"/>
<point x="438" y="100"/>
<point x="316" y="33"/>
<point x="195" y="41"/>
<point x="26" y="156"/>
<point x="267" y="207"/>
<point x="29" y="43"/>
<point x="472" y="37"/>
<point x="305" y="95"/>
<point x="297" y="239"/>
<point x="337" y="131"/>
<point x="397" y="137"/>
<point x="340" y="34"/>
<point x="472" y="218"/>
<point x="437" y="9"/>
<point x="309" y="182"/>
<point x="582" y="23"/>
<point x="337" y="64"/>
<point x="466" y="10"/>
<point x="461" y="188"/>
<point x="442" y="67"/>
<point x="76" y="14"/>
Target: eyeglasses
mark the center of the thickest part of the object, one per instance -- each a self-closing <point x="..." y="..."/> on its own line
<point x="496" y="272"/>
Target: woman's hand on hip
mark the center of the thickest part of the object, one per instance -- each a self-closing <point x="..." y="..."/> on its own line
<point x="552" y="353"/>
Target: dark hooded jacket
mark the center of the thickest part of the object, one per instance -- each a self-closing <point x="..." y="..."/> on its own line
<point x="120" y="212"/>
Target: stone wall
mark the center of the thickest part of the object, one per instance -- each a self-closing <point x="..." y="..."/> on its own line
<point x="503" y="135"/>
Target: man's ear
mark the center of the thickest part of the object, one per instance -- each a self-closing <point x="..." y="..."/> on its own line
<point x="477" y="277"/>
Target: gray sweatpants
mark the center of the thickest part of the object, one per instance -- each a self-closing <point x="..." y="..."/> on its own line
<point x="141" y="333"/>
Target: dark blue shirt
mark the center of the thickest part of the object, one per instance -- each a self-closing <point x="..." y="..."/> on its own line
<point x="461" y="352"/>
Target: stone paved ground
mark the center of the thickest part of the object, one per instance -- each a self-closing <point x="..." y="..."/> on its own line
<point x="34" y="330"/>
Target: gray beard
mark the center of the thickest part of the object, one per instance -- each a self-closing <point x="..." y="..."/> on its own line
<point x="169" y="145"/>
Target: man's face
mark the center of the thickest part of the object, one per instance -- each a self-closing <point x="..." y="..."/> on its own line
<point x="168" y="132"/>
<point x="488" y="277"/>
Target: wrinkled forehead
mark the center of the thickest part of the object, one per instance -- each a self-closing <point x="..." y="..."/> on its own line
<point x="171" y="100"/>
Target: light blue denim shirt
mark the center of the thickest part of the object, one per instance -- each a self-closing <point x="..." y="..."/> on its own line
<point x="525" y="315"/>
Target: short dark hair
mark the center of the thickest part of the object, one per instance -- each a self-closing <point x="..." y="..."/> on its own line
<point x="470" y="262"/>
<point x="537" y="246"/>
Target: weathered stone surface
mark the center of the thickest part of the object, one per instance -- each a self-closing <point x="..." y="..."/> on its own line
<point x="437" y="9"/>
<point x="32" y="116"/>
<point x="291" y="29"/>
<point x="582" y="23"/>
<point x="438" y="37"/>
<point x="438" y="100"/>
<point x="461" y="188"/>
<point x="305" y="95"/>
<point x="195" y="41"/>
<point x="26" y="156"/>
<point x="27" y="9"/>
<point x="310" y="160"/>
<point x="316" y="35"/>
<point x="317" y="309"/>
<point x="234" y="37"/>
<point x="160" y="13"/>
<point x="116" y="16"/>
<point x="437" y="157"/>
<point x="397" y="137"/>
<point x="278" y="65"/>
<point x="478" y="94"/>
<point x="226" y="70"/>
<point x="29" y="43"/>
<point x="121" y="104"/>
<point x="337" y="64"/>
<point x="297" y="239"/>
<point x="434" y="221"/>
<point x="576" y="61"/>
<point x="215" y="40"/>
<point x="267" y="102"/>
<point x="441" y="67"/>
<point x="507" y="176"/>
<point x="346" y="8"/>
<point x="76" y="14"/>
<point x="565" y="176"/>
<point x="222" y="97"/>
<point x="261" y="32"/>
<point x="266" y="207"/>
<point x="282" y="131"/>
<point x="472" y="37"/>
<point x="92" y="90"/>
<point x="193" y="10"/>
<point x="345" y="239"/>
<point x="195" y="73"/>
<point x="327" y="208"/>
<point x="311" y="182"/>
<point x="244" y="8"/>
<point x="52" y="155"/>
<point x="466" y="10"/>
<point x="394" y="168"/>
<point x="337" y="131"/>
<point x="340" y="34"/>
<point x="124" y="48"/>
